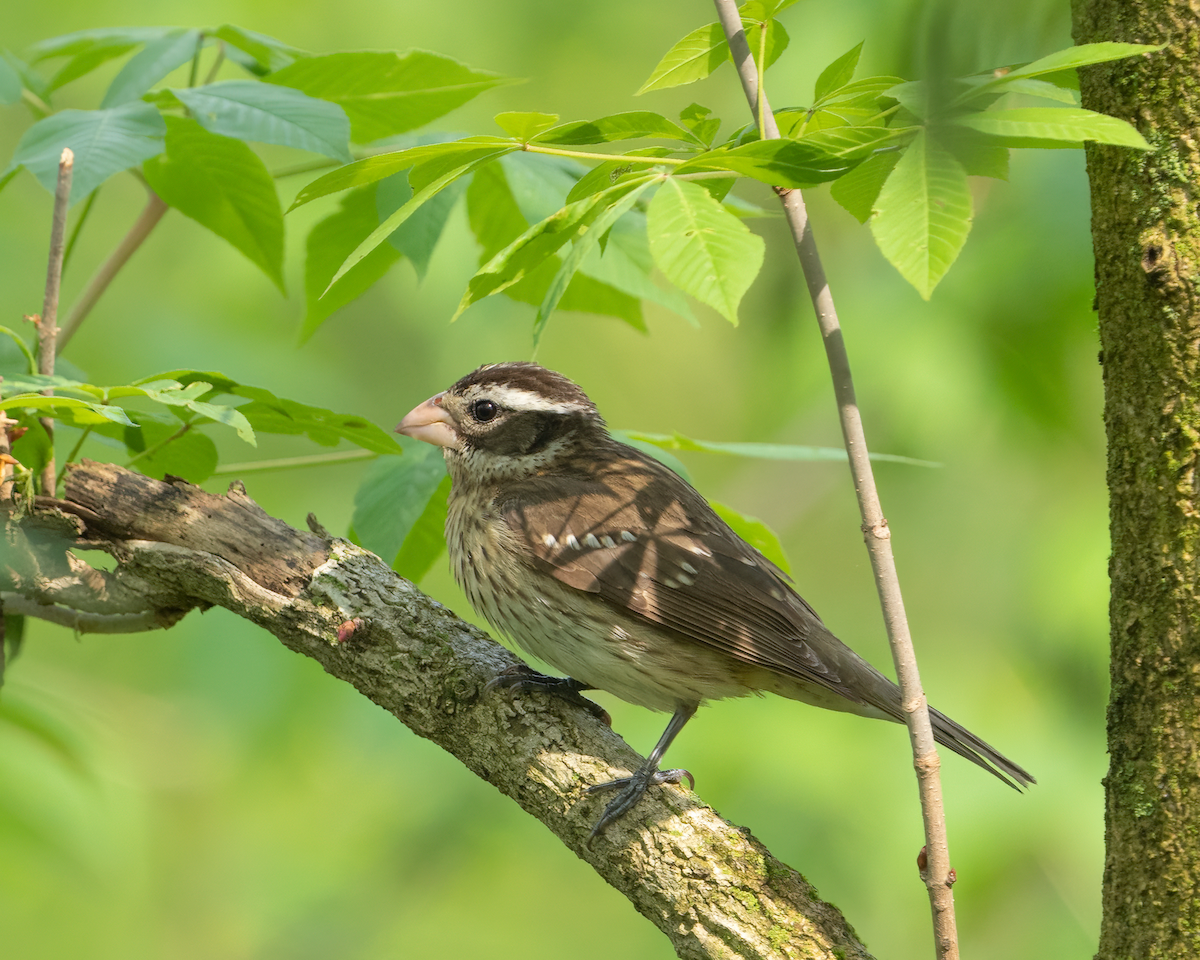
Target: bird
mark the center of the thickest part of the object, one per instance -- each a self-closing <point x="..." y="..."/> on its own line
<point x="609" y="566"/>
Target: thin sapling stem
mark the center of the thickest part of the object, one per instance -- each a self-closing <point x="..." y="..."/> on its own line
<point x="48" y="324"/>
<point x="875" y="527"/>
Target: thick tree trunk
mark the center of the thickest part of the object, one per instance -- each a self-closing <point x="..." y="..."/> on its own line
<point x="1146" y="227"/>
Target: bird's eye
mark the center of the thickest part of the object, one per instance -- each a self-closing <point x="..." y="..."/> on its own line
<point x="484" y="410"/>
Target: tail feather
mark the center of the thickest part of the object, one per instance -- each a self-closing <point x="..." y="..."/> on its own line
<point x="962" y="741"/>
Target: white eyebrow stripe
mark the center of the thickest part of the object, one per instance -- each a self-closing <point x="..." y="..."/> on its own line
<point x="526" y="400"/>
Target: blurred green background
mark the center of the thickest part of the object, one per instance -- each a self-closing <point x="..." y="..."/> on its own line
<point x="213" y="795"/>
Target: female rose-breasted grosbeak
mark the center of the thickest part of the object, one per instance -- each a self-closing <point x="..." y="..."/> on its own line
<point x="609" y="566"/>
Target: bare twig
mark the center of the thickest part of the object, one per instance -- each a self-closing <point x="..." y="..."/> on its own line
<point x="146" y="221"/>
<point x="48" y="325"/>
<point x="936" y="873"/>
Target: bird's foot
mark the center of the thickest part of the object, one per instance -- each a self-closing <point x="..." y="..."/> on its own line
<point x="524" y="679"/>
<point x="632" y="790"/>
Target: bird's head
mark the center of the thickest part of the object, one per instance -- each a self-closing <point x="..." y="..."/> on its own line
<point x="507" y="419"/>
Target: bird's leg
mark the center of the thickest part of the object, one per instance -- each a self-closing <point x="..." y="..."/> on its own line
<point x="524" y="679"/>
<point x="646" y="776"/>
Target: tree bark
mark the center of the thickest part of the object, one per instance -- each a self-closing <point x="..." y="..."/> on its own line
<point x="711" y="887"/>
<point x="1146" y="230"/>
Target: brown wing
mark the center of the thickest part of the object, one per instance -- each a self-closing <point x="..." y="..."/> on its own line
<point x="632" y="532"/>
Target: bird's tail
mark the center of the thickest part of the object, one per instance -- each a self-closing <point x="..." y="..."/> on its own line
<point x="962" y="741"/>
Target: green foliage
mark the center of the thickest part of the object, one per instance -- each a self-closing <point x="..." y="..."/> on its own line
<point x="559" y="227"/>
<point x="257" y="111"/>
<point x="222" y="184"/>
<point x="105" y="142"/>
<point x="702" y="248"/>
<point x="400" y="508"/>
<point x="384" y="94"/>
<point x="923" y="213"/>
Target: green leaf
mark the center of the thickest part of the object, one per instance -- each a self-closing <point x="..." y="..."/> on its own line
<point x="623" y="197"/>
<point x="80" y="41"/>
<point x="701" y="122"/>
<point x="70" y="410"/>
<point x="10" y="649"/>
<point x="492" y="211"/>
<point x="10" y="83"/>
<point x="619" y="126"/>
<point x="191" y="455"/>
<point x="525" y="126"/>
<point x="319" y="425"/>
<point x="626" y="265"/>
<point x="701" y="247"/>
<point x="427" y="192"/>
<point x="609" y="174"/>
<point x="372" y="169"/>
<point x="1052" y="127"/>
<point x="150" y="65"/>
<point x="384" y="93"/>
<point x="761" y="451"/>
<point x="16" y="357"/>
<point x="837" y="74"/>
<point x="266" y="54"/>
<point x="104" y="142"/>
<point x="328" y="244"/>
<point x="222" y="184"/>
<point x="532" y="248"/>
<point x="394" y="495"/>
<point x="756" y="533"/>
<point x="923" y="213"/>
<point x="539" y="184"/>
<point x="858" y="189"/>
<point x="980" y="155"/>
<point x="1080" y="56"/>
<point x="170" y="393"/>
<point x="777" y="36"/>
<point x="419" y="234"/>
<point x="1041" y="88"/>
<point x="426" y="540"/>
<point x="692" y="58"/>
<point x="250" y="110"/>
<point x="271" y="414"/>
<point x="825" y="155"/>
<point x="773" y="8"/>
<point x="88" y="49"/>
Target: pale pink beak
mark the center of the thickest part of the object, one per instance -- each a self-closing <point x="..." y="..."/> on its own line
<point x="429" y="422"/>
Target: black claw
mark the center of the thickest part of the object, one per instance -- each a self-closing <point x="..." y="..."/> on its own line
<point x="634" y="788"/>
<point x="524" y="679"/>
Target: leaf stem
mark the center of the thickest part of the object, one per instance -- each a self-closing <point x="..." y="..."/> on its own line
<point x="79" y="222"/>
<point x="307" y="167"/>
<point x="146" y="221"/>
<point x="36" y="104"/>
<point x="290" y="463"/>
<point x="155" y="447"/>
<point x="87" y="431"/>
<point x="875" y="527"/>
<point x="212" y="73"/>
<point x="585" y="155"/>
<point x="195" y="72"/>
